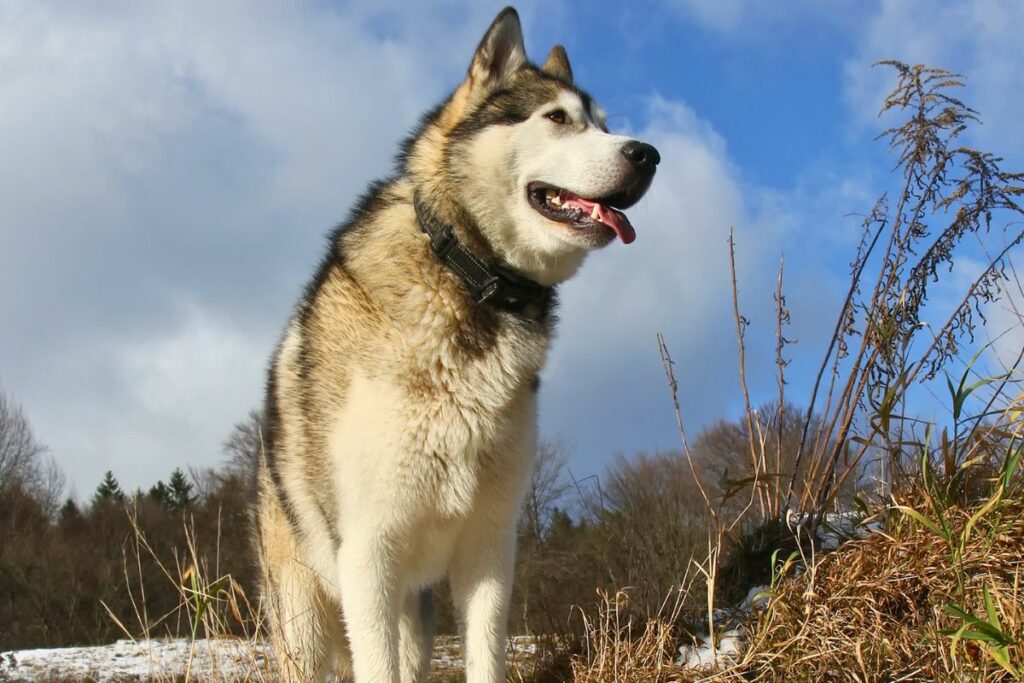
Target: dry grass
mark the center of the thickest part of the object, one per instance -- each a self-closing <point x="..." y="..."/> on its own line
<point x="879" y="609"/>
<point x="212" y="605"/>
<point x="619" y="649"/>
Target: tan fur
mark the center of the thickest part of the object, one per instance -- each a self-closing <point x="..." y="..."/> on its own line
<point x="401" y="415"/>
<point x="557" y="63"/>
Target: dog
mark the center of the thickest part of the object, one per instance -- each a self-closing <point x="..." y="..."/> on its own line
<point x="400" y="417"/>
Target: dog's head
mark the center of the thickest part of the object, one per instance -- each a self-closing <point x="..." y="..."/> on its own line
<point x="526" y="154"/>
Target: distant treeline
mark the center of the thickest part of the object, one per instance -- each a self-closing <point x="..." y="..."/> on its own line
<point x="86" y="572"/>
<point x="75" y="576"/>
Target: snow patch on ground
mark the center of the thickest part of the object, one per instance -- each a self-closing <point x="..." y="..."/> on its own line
<point x="703" y="656"/>
<point x="202" y="660"/>
<point x="128" y="660"/>
<point x="731" y="637"/>
<point x="838" y="527"/>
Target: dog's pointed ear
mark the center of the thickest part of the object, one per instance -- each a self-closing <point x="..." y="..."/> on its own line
<point x="501" y="52"/>
<point x="557" y="64"/>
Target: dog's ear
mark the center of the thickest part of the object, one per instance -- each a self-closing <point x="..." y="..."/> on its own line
<point x="501" y="52"/>
<point x="557" y="64"/>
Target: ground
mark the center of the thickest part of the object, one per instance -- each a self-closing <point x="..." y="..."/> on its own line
<point x="200" y="660"/>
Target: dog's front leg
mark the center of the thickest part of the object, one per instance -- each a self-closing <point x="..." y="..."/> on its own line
<point x="370" y="606"/>
<point x="481" y="581"/>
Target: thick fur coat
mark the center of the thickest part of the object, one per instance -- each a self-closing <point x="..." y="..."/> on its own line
<point x="400" y="414"/>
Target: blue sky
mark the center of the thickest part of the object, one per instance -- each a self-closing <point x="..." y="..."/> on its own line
<point x="170" y="171"/>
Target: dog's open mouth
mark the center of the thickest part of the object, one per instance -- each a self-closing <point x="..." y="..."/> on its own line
<point x="560" y="205"/>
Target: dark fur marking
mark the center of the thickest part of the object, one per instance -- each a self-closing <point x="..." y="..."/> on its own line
<point x="530" y="90"/>
<point x="366" y="205"/>
<point x="588" y="102"/>
<point x="371" y="201"/>
<point x="502" y="108"/>
<point x="439" y="460"/>
<point x="330" y="522"/>
<point x="271" y="421"/>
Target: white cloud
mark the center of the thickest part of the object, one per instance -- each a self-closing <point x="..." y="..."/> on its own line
<point x="142" y="406"/>
<point x="160" y="153"/>
<point x="979" y="38"/>
<point x="681" y="226"/>
<point x="1006" y="327"/>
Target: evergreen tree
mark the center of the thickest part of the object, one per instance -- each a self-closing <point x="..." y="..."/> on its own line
<point x="160" y="493"/>
<point x="69" y="512"/>
<point x="70" y="520"/>
<point x="562" y="529"/>
<point x="180" y="490"/>
<point x="109" y="490"/>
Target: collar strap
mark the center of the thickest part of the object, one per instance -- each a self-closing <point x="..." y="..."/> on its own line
<point x="486" y="283"/>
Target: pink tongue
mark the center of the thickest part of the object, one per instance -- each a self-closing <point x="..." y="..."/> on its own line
<point x="615" y="220"/>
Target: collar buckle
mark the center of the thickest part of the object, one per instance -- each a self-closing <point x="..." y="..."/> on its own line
<point x="488" y="290"/>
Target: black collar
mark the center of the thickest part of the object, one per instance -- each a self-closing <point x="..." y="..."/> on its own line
<point x="492" y="284"/>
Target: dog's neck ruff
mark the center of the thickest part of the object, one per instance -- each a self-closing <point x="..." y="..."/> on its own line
<point x="487" y="283"/>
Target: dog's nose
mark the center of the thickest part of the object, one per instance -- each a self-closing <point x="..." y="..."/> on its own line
<point x="643" y="156"/>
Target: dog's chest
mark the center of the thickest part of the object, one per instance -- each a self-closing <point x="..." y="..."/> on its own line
<point x="442" y="421"/>
<point x="470" y="412"/>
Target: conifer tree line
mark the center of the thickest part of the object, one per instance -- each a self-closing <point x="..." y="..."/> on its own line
<point x="71" y="569"/>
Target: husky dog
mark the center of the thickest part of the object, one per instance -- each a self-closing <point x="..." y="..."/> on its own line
<point x="401" y="402"/>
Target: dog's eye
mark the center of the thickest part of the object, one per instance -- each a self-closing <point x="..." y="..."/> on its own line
<point x="558" y="116"/>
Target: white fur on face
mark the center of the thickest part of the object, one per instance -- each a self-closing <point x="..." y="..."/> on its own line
<point x="578" y="156"/>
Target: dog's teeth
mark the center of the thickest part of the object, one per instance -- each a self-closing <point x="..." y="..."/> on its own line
<point x="556" y="200"/>
<point x="595" y="214"/>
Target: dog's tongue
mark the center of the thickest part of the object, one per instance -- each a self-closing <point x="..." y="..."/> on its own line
<point x="616" y="220"/>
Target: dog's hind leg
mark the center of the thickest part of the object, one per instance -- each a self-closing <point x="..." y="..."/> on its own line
<point x="297" y="608"/>
<point x="416" y="636"/>
<point x="297" y="613"/>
